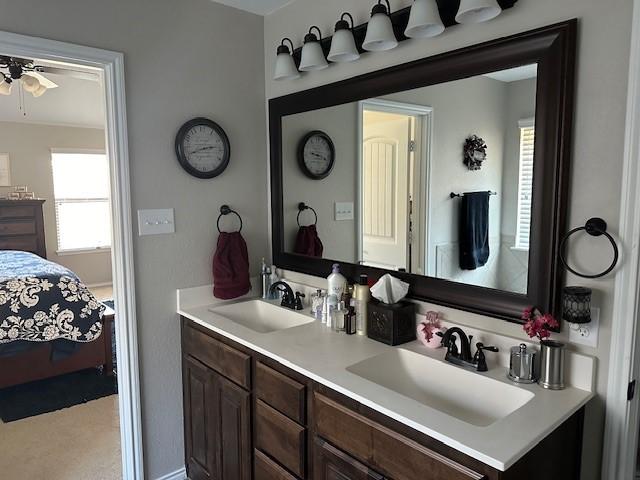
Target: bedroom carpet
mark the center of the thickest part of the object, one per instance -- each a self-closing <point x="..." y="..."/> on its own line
<point x="78" y="443"/>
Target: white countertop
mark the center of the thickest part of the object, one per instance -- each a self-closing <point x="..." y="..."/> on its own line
<point x="323" y="355"/>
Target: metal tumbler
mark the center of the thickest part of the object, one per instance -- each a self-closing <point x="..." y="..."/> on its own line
<point x="551" y="365"/>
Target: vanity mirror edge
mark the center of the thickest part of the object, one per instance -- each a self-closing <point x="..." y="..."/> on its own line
<point x="553" y="48"/>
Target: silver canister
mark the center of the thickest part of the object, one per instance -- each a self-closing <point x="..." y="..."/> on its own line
<point x="551" y="365"/>
<point x="522" y="366"/>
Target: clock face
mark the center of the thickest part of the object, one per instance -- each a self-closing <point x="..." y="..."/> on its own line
<point x="316" y="155"/>
<point x="203" y="148"/>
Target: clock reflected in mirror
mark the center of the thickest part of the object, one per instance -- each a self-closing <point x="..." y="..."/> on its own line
<point x="203" y="148"/>
<point x="316" y="155"/>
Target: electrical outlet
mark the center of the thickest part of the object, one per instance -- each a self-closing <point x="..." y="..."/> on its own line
<point x="586" y="334"/>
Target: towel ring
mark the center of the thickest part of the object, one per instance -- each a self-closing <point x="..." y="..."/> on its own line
<point x="594" y="227"/>
<point x="226" y="210"/>
<point x="301" y="208"/>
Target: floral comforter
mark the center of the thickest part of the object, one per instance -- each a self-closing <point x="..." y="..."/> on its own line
<point x="41" y="301"/>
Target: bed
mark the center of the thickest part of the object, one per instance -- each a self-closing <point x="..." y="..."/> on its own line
<point x="50" y="323"/>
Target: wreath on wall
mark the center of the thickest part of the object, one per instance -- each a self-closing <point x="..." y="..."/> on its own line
<point x="475" y="152"/>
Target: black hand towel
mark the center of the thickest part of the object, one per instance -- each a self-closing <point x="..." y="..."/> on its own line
<point x="308" y="242"/>
<point x="474" y="230"/>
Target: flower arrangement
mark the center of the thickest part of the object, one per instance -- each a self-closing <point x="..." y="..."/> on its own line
<point x="428" y="329"/>
<point x="537" y="324"/>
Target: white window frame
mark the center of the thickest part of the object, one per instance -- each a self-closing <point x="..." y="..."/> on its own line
<point x="522" y="124"/>
<point x="76" y="251"/>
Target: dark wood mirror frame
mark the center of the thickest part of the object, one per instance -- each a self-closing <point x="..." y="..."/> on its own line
<point x="553" y="49"/>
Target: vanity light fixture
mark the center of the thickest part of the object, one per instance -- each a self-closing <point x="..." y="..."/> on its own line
<point x="343" y="45"/>
<point x="285" y="65"/>
<point x="477" y="11"/>
<point x="5" y="85"/>
<point x="312" y="57"/>
<point x="380" y="36"/>
<point x="424" y="20"/>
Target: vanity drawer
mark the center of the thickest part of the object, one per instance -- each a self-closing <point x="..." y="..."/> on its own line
<point x="27" y="227"/>
<point x="226" y="360"/>
<point x="281" y="392"/>
<point x="381" y="448"/>
<point x="280" y="438"/>
<point x="267" y="469"/>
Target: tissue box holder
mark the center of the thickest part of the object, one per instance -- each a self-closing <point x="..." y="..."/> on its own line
<point x="391" y="324"/>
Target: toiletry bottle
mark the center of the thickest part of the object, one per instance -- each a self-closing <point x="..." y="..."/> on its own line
<point x="362" y="295"/>
<point x="332" y="305"/>
<point x="265" y="276"/>
<point x="350" y="321"/>
<point x="338" y="318"/>
<point x="337" y="282"/>
<point x="273" y="278"/>
<point x="316" y="302"/>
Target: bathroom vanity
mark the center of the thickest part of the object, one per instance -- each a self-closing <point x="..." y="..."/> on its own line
<point x="269" y="399"/>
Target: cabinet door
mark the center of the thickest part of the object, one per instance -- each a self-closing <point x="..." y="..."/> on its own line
<point x="201" y="449"/>
<point x="233" y="424"/>
<point x="333" y="464"/>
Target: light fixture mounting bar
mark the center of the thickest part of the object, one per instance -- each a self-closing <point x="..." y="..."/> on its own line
<point x="399" y="20"/>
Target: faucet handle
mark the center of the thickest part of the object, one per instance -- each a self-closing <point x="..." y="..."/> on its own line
<point x="479" y="358"/>
<point x="298" y="301"/>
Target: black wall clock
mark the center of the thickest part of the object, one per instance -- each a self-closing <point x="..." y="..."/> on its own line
<point x="203" y="148"/>
<point x="316" y="155"/>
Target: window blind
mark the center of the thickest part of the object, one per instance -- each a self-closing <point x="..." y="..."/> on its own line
<point x="81" y="191"/>
<point x="525" y="183"/>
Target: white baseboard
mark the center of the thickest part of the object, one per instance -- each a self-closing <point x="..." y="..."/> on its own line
<point x="96" y="285"/>
<point x="180" y="474"/>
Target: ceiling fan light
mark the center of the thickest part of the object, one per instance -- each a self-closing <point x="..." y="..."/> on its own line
<point x="40" y="91"/>
<point x="5" y="87"/>
<point x="380" y="36"/>
<point x="312" y="57"/>
<point x="343" y="45"/>
<point x="477" y="11"/>
<point x="285" y="65"/>
<point x="424" y="20"/>
<point x="29" y="83"/>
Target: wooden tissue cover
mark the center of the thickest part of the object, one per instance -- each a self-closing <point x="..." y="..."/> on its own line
<point x="391" y="324"/>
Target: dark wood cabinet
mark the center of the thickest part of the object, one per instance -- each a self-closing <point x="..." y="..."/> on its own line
<point x="333" y="464"/>
<point x="248" y="417"/>
<point x="22" y="226"/>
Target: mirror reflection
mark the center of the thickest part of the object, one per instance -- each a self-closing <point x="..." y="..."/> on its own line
<point x="435" y="181"/>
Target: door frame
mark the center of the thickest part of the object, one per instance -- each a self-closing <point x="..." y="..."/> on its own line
<point x="110" y="65"/>
<point x="622" y="422"/>
<point x="425" y="113"/>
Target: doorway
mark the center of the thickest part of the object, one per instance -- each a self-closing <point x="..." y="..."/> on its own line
<point x="109" y="67"/>
<point x="394" y="142"/>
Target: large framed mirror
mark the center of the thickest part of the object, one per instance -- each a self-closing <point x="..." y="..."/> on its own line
<point x="449" y="171"/>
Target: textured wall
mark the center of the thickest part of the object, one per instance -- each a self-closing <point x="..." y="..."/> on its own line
<point x="602" y="67"/>
<point x="182" y="59"/>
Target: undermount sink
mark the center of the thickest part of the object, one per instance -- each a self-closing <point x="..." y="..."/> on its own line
<point x="260" y="316"/>
<point x="467" y="396"/>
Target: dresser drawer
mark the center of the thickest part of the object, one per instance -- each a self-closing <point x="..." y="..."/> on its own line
<point x="280" y="438"/>
<point x="26" y="243"/>
<point x="384" y="450"/>
<point x="18" y="211"/>
<point x="226" y="360"/>
<point x="281" y="392"/>
<point x="267" y="469"/>
<point x="27" y="227"/>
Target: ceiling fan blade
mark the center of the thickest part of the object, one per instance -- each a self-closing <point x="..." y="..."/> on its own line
<point x="44" y="81"/>
<point x="79" y="74"/>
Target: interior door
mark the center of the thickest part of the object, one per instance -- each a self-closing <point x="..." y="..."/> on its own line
<point x="385" y="170"/>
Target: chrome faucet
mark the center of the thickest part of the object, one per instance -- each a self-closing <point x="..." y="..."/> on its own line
<point x="289" y="299"/>
<point x="463" y="356"/>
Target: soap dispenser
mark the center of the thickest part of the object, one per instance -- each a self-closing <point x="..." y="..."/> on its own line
<point x="337" y="282"/>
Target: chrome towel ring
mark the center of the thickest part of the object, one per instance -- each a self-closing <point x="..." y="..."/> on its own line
<point x="594" y="227"/>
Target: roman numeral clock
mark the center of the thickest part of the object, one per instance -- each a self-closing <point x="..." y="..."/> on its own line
<point x="203" y="148"/>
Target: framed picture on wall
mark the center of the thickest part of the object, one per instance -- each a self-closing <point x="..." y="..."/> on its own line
<point x="5" y="170"/>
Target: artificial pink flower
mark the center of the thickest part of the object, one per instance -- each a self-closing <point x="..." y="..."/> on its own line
<point x="538" y="325"/>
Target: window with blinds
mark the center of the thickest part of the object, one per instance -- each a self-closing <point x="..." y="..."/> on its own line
<point x="81" y="191"/>
<point x="525" y="183"/>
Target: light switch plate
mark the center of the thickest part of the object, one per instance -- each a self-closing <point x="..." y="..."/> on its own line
<point x="586" y="334"/>
<point x="344" y="211"/>
<point x="155" y="222"/>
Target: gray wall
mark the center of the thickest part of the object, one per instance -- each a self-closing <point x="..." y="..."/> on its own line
<point x="602" y="66"/>
<point x="182" y="59"/>
<point x="29" y="148"/>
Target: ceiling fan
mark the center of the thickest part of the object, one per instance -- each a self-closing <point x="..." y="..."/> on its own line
<point x="31" y="75"/>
